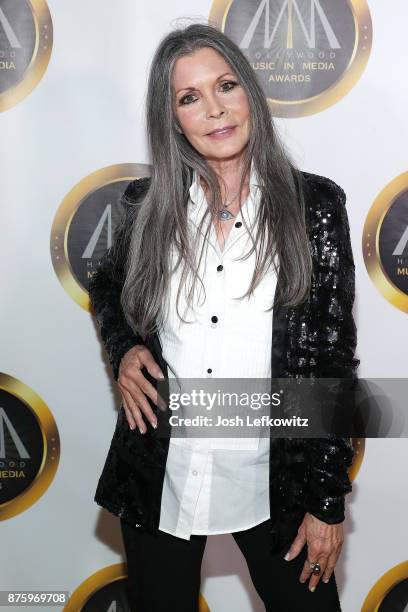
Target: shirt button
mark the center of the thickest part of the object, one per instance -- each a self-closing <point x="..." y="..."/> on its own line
<point x="214" y="319"/>
<point x="195" y="472"/>
<point x="219" y="268"/>
<point x="209" y="370"/>
<point x="238" y="224"/>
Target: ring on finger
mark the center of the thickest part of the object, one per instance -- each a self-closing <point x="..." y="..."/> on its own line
<point x="315" y="567"/>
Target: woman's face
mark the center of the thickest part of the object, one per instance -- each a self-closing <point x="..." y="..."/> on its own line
<point x="207" y="96"/>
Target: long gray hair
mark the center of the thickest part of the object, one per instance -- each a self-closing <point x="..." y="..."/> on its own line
<point x="162" y="218"/>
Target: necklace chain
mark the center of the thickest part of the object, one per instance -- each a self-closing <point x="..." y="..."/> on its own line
<point x="224" y="214"/>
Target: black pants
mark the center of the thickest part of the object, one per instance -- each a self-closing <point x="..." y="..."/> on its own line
<point x="164" y="573"/>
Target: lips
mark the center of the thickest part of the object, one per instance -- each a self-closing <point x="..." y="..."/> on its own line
<point x="222" y="130"/>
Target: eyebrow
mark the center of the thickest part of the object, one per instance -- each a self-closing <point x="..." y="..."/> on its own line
<point x="194" y="88"/>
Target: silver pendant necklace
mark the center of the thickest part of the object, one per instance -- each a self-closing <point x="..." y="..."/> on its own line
<point x="224" y="214"/>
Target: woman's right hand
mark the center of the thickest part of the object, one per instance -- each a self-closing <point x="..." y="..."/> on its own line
<point x="134" y="387"/>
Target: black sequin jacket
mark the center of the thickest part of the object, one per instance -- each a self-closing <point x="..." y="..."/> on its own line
<point x="317" y="338"/>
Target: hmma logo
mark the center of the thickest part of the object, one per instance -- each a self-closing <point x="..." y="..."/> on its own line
<point x="26" y="35"/>
<point x="291" y="7"/>
<point x="85" y="223"/>
<point x="29" y="447"/>
<point x="307" y="54"/>
<point x="385" y="242"/>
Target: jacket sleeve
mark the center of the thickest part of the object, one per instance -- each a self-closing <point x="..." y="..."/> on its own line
<point x="106" y="284"/>
<point x="329" y="458"/>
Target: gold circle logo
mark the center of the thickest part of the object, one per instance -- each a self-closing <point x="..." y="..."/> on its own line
<point x="307" y="54"/>
<point x="390" y="592"/>
<point x="385" y="242"/>
<point x="29" y="447"/>
<point x="106" y="590"/>
<point x="359" y="449"/>
<point x="26" y="36"/>
<point x="84" y="226"/>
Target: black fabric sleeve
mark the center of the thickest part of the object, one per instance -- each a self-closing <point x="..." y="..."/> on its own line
<point x="329" y="458"/>
<point x="106" y="284"/>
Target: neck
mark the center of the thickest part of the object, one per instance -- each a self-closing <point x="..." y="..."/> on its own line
<point x="229" y="173"/>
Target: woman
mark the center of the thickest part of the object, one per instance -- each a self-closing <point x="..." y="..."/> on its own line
<point x="223" y="187"/>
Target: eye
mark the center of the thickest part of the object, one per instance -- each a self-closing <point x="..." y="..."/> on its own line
<point x="185" y="99"/>
<point x="182" y="100"/>
<point x="233" y="83"/>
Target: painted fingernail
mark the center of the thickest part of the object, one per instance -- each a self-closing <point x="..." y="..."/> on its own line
<point x="141" y="430"/>
<point x="154" y="424"/>
<point x="326" y="580"/>
<point x="287" y="557"/>
<point x="312" y="588"/>
<point x="160" y="374"/>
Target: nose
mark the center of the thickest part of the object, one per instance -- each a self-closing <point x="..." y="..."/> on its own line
<point x="214" y="107"/>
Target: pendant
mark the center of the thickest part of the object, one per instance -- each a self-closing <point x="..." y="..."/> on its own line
<point x="225" y="215"/>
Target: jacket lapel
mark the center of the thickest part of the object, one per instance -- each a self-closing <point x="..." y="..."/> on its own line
<point x="279" y="325"/>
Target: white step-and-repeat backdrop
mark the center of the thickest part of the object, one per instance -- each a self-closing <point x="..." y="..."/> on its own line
<point x="72" y="88"/>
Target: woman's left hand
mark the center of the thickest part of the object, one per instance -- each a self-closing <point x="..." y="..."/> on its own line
<point x="324" y="542"/>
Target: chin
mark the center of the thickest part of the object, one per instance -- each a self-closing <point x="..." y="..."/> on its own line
<point x="228" y="151"/>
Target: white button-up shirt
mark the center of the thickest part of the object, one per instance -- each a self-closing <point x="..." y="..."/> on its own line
<point x="218" y="485"/>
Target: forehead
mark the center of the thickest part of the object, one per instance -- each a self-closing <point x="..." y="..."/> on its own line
<point x="201" y="65"/>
